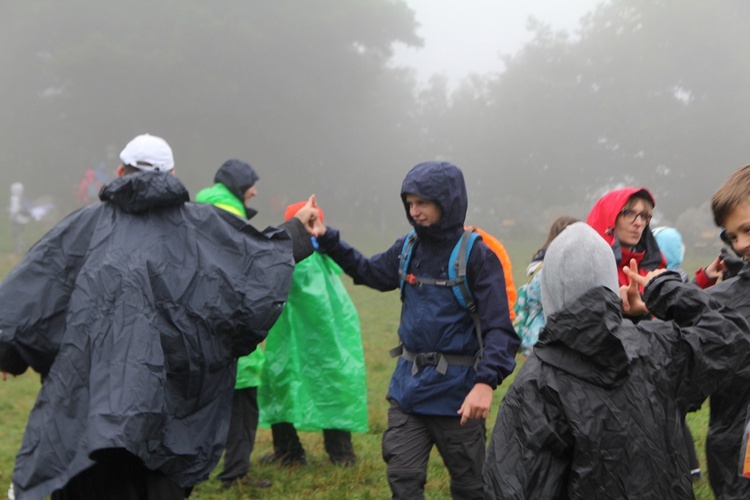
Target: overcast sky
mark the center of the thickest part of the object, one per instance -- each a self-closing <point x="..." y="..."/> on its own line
<point x="469" y="36"/>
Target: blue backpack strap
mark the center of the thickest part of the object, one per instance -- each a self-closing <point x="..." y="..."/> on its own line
<point x="457" y="267"/>
<point x="405" y="257"/>
<point x="457" y="273"/>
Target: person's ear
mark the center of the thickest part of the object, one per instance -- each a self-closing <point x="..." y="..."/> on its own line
<point x="120" y="170"/>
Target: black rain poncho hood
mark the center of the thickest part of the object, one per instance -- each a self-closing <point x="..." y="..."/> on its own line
<point x="134" y="310"/>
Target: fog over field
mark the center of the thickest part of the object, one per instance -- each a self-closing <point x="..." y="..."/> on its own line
<point x="639" y="92"/>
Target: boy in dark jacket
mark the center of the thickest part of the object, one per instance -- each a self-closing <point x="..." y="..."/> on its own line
<point x="729" y="404"/>
<point x="134" y="310"/>
<point x="441" y="389"/>
<point x="596" y="411"/>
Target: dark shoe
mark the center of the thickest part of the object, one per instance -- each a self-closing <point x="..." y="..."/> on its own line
<point x="225" y="485"/>
<point x="349" y="461"/>
<point x="696" y="474"/>
<point x="268" y="459"/>
<point x="285" y="460"/>
<point x="258" y="483"/>
<point x="338" y="445"/>
<point x="253" y="483"/>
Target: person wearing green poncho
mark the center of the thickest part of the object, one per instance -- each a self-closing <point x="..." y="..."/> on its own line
<point x="235" y="185"/>
<point x="314" y="378"/>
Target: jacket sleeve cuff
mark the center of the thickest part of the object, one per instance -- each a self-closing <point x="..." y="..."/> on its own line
<point x="302" y="246"/>
<point x="702" y="279"/>
<point x="328" y="240"/>
<point x="492" y="382"/>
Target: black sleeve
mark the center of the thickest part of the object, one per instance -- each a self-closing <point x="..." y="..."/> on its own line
<point x="11" y="361"/>
<point x="302" y="246"/>
<point x="709" y="341"/>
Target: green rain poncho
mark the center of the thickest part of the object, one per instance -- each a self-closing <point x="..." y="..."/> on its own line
<point x="314" y="375"/>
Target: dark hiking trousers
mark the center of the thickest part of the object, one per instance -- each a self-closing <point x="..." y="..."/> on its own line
<point x="339" y="447"/>
<point x="287" y="446"/>
<point x="119" y="475"/>
<point x="241" y="437"/>
<point x="407" y="443"/>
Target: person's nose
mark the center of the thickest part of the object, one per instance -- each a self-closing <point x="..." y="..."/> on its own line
<point x="413" y="211"/>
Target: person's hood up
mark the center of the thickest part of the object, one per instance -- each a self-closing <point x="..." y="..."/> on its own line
<point x="443" y="183"/>
<point x="671" y="245"/>
<point x="237" y="176"/>
<point x="603" y="216"/>
<point x="584" y="340"/>
<point x="142" y="191"/>
<point x="576" y="261"/>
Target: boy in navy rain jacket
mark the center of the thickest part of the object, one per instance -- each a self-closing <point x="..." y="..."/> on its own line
<point x="441" y="391"/>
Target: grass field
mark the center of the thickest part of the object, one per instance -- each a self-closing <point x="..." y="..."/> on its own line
<point x="379" y="315"/>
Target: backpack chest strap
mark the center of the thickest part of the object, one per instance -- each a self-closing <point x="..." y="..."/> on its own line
<point x="419" y="281"/>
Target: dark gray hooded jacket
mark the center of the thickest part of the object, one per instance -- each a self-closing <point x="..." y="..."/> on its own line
<point x="134" y="310"/>
<point x="597" y="410"/>
<point x="730" y="405"/>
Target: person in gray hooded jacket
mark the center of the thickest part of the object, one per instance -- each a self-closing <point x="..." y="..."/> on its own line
<point x="596" y="410"/>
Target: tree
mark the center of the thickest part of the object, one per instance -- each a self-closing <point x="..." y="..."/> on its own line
<point x="299" y="89"/>
<point x="649" y="93"/>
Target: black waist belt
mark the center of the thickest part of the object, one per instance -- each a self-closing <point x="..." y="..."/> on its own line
<point x="432" y="358"/>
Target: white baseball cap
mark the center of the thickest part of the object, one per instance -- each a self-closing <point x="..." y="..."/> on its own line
<point x="148" y="153"/>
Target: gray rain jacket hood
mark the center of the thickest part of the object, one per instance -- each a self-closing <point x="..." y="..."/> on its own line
<point x="567" y="276"/>
<point x="134" y="310"/>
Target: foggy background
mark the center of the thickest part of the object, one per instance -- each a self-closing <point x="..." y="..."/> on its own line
<point x="644" y="92"/>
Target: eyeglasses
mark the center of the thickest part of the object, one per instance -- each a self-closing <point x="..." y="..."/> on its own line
<point x="632" y="215"/>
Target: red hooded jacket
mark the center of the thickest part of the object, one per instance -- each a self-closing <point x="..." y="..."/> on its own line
<point x="603" y="218"/>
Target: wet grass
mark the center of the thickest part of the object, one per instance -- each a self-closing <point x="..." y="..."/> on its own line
<point x="379" y="315"/>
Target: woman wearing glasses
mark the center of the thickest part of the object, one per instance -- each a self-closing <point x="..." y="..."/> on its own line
<point x="621" y="217"/>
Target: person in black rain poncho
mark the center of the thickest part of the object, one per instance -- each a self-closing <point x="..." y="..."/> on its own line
<point x="134" y="311"/>
<point x="597" y="409"/>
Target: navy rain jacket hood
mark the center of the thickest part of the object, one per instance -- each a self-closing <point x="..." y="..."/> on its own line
<point x="237" y="176"/>
<point x="442" y="183"/>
